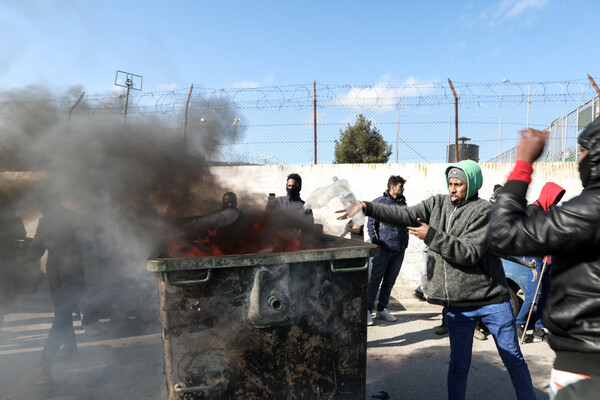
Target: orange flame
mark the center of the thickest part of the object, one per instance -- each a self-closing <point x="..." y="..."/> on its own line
<point x="249" y="234"/>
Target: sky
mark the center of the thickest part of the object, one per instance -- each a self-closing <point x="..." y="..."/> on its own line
<point x="239" y="44"/>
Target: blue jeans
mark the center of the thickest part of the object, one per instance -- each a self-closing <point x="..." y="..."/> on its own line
<point x="386" y="267"/>
<point x="531" y="288"/>
<point x="500" y="321"/>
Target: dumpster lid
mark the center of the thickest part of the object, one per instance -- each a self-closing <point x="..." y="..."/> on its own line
<point x="339" y="249"/>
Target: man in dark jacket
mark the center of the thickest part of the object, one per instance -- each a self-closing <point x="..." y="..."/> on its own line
<point x="571" y="234"/>
<point x="460" y="274"/>
<point x="392" y="242"/>
<point x="292" y="203"/>
<point x="71" y="251"/>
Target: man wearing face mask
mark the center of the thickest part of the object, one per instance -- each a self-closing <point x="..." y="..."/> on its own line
<point x="571" y="234"/>
<point x="292" y="201"/>
<point x="229" y="201"/>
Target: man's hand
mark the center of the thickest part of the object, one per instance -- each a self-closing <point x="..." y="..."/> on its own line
<point x="355" y="207"/>
<point x="531" y="145"/>
<point x="419" y="231"/>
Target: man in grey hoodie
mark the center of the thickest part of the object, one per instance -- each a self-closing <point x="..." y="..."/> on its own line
<point x="460" y="274"/>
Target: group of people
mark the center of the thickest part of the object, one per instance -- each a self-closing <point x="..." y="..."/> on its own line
<point x="464" y="235"/>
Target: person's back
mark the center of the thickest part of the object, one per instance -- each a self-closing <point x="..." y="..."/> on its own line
<point x="61" y="232"/>
<point x="571" y="234"/>
<point x="71" y="250"/>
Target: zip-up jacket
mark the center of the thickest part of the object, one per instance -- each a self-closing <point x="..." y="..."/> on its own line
<point x="459" y="271"/>
<point x="571" y="233"/>
<point x="388" y="237"/>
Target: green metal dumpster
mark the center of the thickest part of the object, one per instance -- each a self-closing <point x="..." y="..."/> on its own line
<point x="289" y="325"/>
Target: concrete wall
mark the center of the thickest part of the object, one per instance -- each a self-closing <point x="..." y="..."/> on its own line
<point x="368" y="181"/>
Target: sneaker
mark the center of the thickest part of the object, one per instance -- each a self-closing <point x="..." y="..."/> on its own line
<point x="418" y="294"/>
<point x="545" y="338"/>
<point x="369" y="319"/>
<point x="385" y="314"/>
<point x="479" y="335"/>
<point x="541" y="334"/>
<point x="441" y="330"/>
<point x="528" y="337"/>
<point x="520" y="331"/>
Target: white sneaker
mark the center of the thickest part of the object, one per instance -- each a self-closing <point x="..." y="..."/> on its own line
<point x="369" y="319"/>
<point x="385" y="314"/>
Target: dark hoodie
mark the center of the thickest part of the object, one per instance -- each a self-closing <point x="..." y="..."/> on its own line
<point x="571" y="233"/>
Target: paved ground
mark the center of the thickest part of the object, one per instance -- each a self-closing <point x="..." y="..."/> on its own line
<point x="405" y="359"/>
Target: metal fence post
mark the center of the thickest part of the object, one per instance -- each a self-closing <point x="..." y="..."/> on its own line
<point x="185" y="123"/>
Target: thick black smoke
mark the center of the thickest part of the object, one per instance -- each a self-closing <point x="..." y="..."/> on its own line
<point x="100" y="162"/>
<point x="127" y="177"/>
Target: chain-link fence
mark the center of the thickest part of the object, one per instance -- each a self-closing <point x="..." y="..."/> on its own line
<point x="277" y="125"/>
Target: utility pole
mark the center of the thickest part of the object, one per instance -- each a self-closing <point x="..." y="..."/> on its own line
<point x="315" y="115"/>
<point x="455" y="121"/>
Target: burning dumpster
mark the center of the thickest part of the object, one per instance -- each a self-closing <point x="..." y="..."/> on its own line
<point x="279" y="325"/>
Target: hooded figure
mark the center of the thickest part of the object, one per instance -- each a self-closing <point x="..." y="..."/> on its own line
<point x="550" y="195"/>
<point x="571" y="233"/>
<point x="460" y="273"/>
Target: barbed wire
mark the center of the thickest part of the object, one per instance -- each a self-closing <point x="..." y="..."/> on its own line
<point x="280" y="119"/>
<point x="382" y="96"/>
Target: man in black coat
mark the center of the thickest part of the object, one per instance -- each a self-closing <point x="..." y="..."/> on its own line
<point x="71" y="251"/>
<point x="571" y="234"/>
